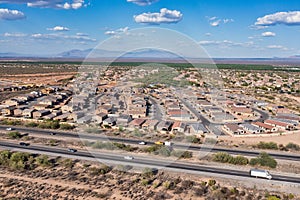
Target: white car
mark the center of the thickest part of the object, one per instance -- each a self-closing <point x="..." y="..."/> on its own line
<point x="128" y="158"/>
<point x="9" y="129"/>
<point x="142" y="143"/>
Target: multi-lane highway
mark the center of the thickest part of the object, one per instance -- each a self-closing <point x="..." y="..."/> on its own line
<point x="146" y="161"/>
<point x="99" y="137"/>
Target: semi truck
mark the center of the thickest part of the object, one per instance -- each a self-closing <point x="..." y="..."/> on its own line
<point x="260" y="173"/>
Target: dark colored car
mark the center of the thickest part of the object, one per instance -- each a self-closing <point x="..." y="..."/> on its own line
<point x="24" y="144"/>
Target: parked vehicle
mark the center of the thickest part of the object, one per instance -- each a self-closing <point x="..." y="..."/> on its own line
<point x="260" y="173"/>
<point x="128" y="158"/>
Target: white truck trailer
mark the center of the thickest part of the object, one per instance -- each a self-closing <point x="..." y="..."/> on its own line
<point x="260" y="173"/>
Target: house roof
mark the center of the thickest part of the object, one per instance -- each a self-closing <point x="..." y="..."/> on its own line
<point x="150" y="122"/>
<point x="277" y="123"/>
<point x="233" y="127"/>
<point x="260" y="124"/>
<point x="137" y="122"/>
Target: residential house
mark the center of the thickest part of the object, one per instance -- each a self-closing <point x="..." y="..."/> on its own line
<point x="164" y="126"/>
<point x="8" y="111"/>
<point x="245" y="111"/>
<point x="67" y="108"/>
<point x="28" y="113"/>
<point x="266" y="127"/>
<point x="40" y="113"/>
<point x="136" y="123"/>
<point x="124" y="120"/>
<point x="40" y="106"/>
<point x="251" y="128"/>
<point x="12" y="102"/>
<point x="98" y="118"/>
<point x="280" y="125"/>
<point x="76" y="115"/>
<point x="222" y="117"/>
<point x="110" y="121"/>
<point x="234" y="129"/>
<point x="179" y="115"/>
<point x="197" y="128"/>
<point x="85" y="119"/>
<point x="178" y="127"/>
<point x="63" y="117"/>
<point x="137" y="113"/>
<point x="150" y="124"/>
<point x="288" y="116"/>
<point x="19" y="111"/>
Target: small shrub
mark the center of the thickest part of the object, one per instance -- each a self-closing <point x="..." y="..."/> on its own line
<point x="43" y="161"/>
<point x="264" y="159"/>
<point x="14" y="135"/>
<point x="212" y="182"/>
<point x="293" y="146"/>
<point x="145" y="182"/>
<point x="31" y="124"/>
<point x="182" y="154"/>
<point x="66" y="126"/>
<point x="148" y="172"/>
<point x="192" y="139"/>
<point x="267" y="145"/>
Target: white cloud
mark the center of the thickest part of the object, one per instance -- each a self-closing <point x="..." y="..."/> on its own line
<point x="287" y="18"/>
<point x="14" y="35"/>
<point x="7" y="14"/>
<point x="110" y="33"/>
<point x="277" y="47"/>
<point x="227" y="21"/>
<point x="268" y="34"/>
<point x="215" y="21"/>
<point x="226" y="43"/>
<point x="164" y="16"/>
<point x="82" y="34"/>
<point x="58" y="28"/>
<point x="62" y="36"/>
<point x="212" y="18"/>
<point x="118" y="31"/>
<point x="142" y="2"/>
<point x="58" y="4"/>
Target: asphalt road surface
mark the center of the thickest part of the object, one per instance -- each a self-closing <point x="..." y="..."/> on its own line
<point x="140" y="160"/>
<point x="213" y="149"/>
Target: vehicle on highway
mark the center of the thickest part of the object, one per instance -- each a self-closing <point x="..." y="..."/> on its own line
<point x="24" y="144"/>
<point x="52" y="133"/>
<point x="9" y="129"/>
<point x="159" y="143"/>
<point x="167" y="143"/>
<point x="142" y="143"/>
<point x="72" y="150"/>
<point x="128" y="157"/>
<point x="260" y="173"/>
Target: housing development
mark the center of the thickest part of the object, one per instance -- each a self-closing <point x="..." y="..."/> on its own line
<point x="149" y="100"/>
<point x="142" y="99"/>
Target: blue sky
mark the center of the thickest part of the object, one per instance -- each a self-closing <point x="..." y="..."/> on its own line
<point x="231" y="28"/>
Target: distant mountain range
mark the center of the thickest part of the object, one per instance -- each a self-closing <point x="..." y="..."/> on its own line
<point x="143" y="55"/>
